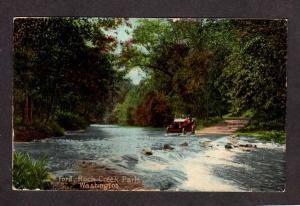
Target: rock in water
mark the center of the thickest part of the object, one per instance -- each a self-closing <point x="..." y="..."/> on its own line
<point x="247" y="145"/>
<point x="167" y="146"/>
<point x="185" y="144"/>
<point x="147" y="152"/>
<point x="228" y="146"/>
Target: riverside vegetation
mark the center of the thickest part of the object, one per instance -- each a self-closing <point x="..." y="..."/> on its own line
<point x="67" y="72"/>
<point x="28" y="174"/>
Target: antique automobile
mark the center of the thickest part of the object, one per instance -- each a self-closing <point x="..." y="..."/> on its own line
<point x="183" y="126"/>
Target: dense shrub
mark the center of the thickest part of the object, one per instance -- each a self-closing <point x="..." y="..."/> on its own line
<point x="52" y="128"/>
<point x="70" y="121"/>
<point x="153" y="111"/>
<point x="249" y="113"/>
<point x="17" y="120"/>
<point x="260" y="124"/>
<point x="124" y="112"/>
<point x="29" y="174"/>
<point x="56" y="130"/>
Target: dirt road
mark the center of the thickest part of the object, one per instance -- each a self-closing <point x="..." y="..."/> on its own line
<point x="226" y="127"/>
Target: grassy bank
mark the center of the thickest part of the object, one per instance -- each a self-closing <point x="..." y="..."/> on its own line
<point x="37" y="131"/>
<point x="278" y="136"/>
<point x="55" y="127"/>
<point x="264" y="130"/>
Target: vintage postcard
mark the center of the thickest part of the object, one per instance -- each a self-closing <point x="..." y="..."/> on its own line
<point x="149" y="104"/>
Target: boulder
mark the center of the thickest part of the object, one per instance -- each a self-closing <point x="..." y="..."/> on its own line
<point x="167" y="146"/>
<point x="247" y="145"/>
<point x="185" y="144"/>
<point x="228" y="146"/>
<point x="147" y="152"/>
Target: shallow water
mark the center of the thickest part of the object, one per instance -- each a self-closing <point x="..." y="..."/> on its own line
<point x="192" y="168"/>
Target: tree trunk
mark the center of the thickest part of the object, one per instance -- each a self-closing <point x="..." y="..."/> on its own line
<point x="25" y="120"/>
<point x="30" y="111"/>
<point x="51" y="104"/>
<point x="49" y="110"/>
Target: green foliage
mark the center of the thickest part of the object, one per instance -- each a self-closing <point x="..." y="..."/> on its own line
<point x="70" y="121"/>
<point x="65" y="64"/>
<point x="51" y="128"/>
<point x="143" y="106"/>
<point x="273" y="124"/>
<point x="210" y="68"/>
<point x="249" y="113"/>
<point x="29" y="174"/>
<point x="255" y="75"/>
<point x="203" y="67"/>
<point x="123" y="111"/>
<point x="17" y="120"/>
<point x="56" y="129"/>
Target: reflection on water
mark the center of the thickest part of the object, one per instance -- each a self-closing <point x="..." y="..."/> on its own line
<point x="187" y="168"/>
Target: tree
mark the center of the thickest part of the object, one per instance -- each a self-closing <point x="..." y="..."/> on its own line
<point x="256" y="70"/>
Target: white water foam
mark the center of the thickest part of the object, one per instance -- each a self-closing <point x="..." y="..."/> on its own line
<point x="199" y="174"/>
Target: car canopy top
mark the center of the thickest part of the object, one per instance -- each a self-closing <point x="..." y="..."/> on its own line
<point x="179" y="120"/>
